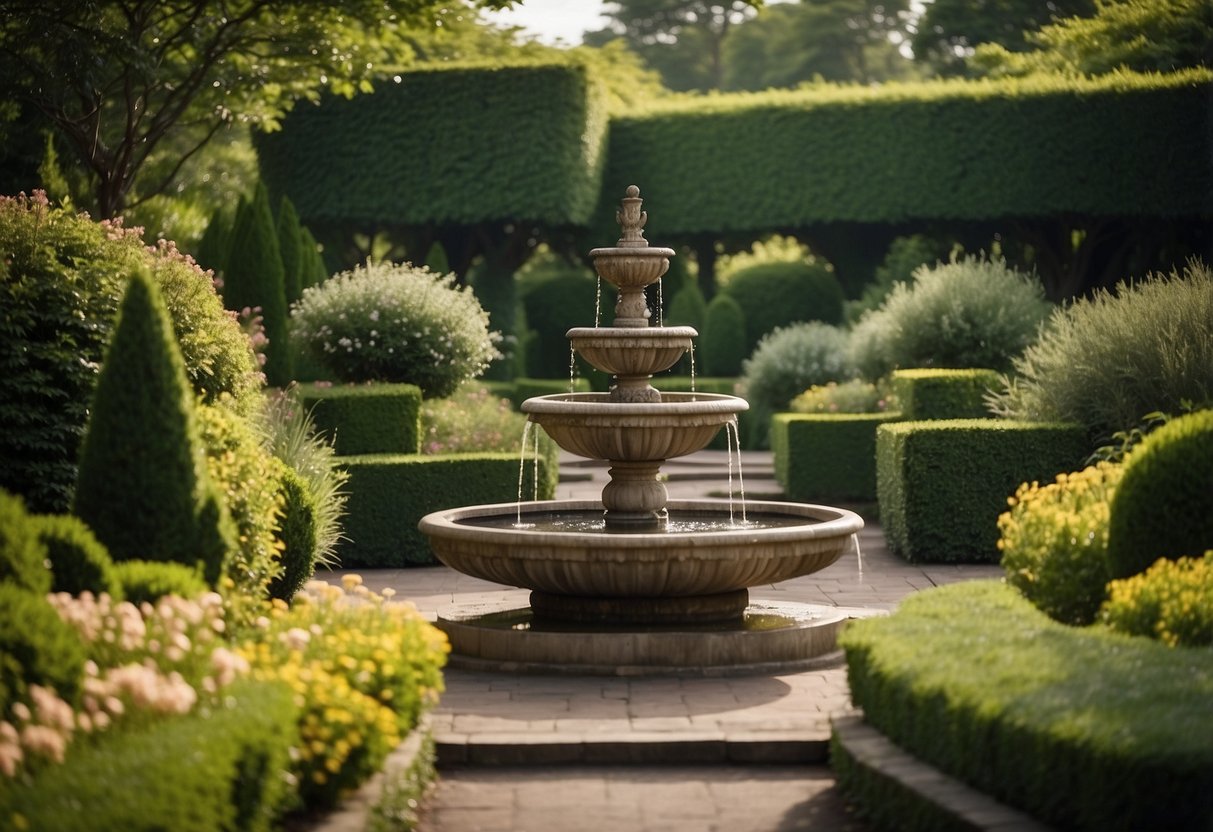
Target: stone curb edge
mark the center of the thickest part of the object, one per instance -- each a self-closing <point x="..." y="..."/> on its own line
<point x="524" y="750"/>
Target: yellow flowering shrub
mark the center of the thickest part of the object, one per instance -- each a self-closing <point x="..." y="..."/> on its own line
<point x="1171" y="601"/>
<point x="1054" y="540"/>
<point x="363" y="668"/>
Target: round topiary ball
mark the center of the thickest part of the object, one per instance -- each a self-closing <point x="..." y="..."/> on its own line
<point x="1163" y="507"/>
<point x="151" y="580"/>
<point x="79" y="562"/>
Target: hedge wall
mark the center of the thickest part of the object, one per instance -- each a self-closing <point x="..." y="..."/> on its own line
<point x="1118" y="145"/>
<point x="942" y="484"/>
<point x="943" y="394"/>
<point x="366" y="418"/>
<point x="1080" y="727"/>
<point x="389" y="494"/>
<point x="446" y="146"/>
<point x="827" y="455"/>
<point x="212" y="769"/>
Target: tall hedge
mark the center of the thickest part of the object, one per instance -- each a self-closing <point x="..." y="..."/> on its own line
<point x="447" y="146"/>
<point x="1117" y="145"/>
<point x="142" y="485"/>
<point x="254" y="277"/>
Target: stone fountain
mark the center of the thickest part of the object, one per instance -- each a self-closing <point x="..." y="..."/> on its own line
<point x="638" y="583"/>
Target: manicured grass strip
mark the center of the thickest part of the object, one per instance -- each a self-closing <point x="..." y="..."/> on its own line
<point x="1080" y="727"/>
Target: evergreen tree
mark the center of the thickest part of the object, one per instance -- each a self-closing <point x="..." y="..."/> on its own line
<point x="314" y="272"/>
<point x="254" y="278"/>
<point x="142" y="485"/>
<point x="211" y="251"/>
<point x="290" y="245"/>
<point x="436" y="259"/>
<point x="723" y="346"/>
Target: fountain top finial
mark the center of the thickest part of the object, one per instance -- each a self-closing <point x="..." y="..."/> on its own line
<point x="632" y="219"/>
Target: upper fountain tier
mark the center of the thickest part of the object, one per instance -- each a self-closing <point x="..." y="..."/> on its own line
<point x="632" y="264"/>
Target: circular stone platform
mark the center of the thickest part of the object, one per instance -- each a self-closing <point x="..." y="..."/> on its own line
<point x="772" y="637"/>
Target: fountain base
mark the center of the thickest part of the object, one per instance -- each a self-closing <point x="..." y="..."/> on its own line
<point x="769" y="638"/>
<point x="707" y="609"/>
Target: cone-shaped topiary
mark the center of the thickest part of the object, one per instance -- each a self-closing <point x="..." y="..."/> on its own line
<point x="436" y="259"/>
<point x="211" y="251"/>
<point x="254" y="278"/>
<point x="22" y="553"/>
<point x="722" y="346"/>
<point x="687" y="307"/>
<point x="142" y="485"/>
<point x="290" y="246"/>
<point x="297" y="532"/>
<point x="1163" y="506"/>
<point x="314" y="272"/>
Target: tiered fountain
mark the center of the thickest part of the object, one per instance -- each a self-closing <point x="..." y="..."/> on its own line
<point x="637" y="583"/>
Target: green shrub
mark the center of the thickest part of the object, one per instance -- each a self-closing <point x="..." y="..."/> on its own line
<point x="1171" y="601"/>
<point x="943" y="394"/>
<point x="472" y="419"/>
<point x="776" y="295"/>
<point x="290" y="435"/>
<point x="1082" y="728"/>
<point x="390" y="494"/>
<point x="526" y="388"/>
<point x="1106" y="360"/>
<point x="367" y="418"/>
<point x="687" y="307"/>
<point x="555" y="301"/>
<point x="290" y="247"/>
<point x="1163" y="506"/>
<point x="79" y="563"/>
<point x="249" y="478"/>
<point x="969" y="312"/>
<point x="148" y="580"/>
<point x="36" y="648"/>
<point x="942" y="484"/>
<point x="722" y="344"/>
<point x="787" y="362"/>
<point x="61" y="281"/>
<point x="296" y="534"/>
<point x="827" y="455"/>
<point x="396" y="323"/>
<point x="216" y="768"/>
<point x="253" y="280"/>
<point x="854" y="396"/>
<point x="23" y="555"/>
<point x="905" y="256"/>
<point x="142" y="485"/>
<point x="1054" y="542"/>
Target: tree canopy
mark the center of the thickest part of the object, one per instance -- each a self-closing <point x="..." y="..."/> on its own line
<point x="116" y="79"/>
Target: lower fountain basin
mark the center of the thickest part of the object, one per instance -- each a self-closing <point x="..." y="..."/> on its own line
<point x="700" y="553"/>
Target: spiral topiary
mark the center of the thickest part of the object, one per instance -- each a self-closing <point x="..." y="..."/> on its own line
<point x="1163" y="506"/>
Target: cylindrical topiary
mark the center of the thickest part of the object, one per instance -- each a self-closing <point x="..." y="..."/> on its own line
<point x="149" y="581"/>
<point x="777" y="294"/>
<point x="722" y="345"/>
<point x="37" y="647"/>
<point x="1163" y="506"/>
<point x="297" y="534"/>
<point x="79" y="563"/>
<point x="254" y="278"/>
<point x="290" y="247"/>
<point x="22" y="552"/>
<point x="142" y="485"/>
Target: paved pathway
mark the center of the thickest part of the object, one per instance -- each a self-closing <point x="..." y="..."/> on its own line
<point x="530" y="752"/>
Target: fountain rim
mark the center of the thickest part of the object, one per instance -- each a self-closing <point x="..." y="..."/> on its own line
<point x="614" y="333"/>
<point x="632" y="251"/>
<point x="830" y="522"/>
<point x="600" y="405"/>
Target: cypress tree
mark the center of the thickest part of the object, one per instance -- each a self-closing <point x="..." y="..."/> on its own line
<point x="142" y="485"/>
<point x="314" y="272"/>
<point x="211" y="251"/>
<point x="290" y="244"/>
<point x="254" y="278"/>
<point x="436" y="259"/>
<point x="722" y="347"/>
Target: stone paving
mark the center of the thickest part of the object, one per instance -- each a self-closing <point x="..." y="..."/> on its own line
<point x="526" y="752"/>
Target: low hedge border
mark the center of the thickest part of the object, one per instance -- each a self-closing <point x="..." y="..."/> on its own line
<point x="942" y="484"/>
<point x="943" y="394"/>
<point x="390" y="493"/>
<point x="1081" y="727"/>
<point x="827" y="455"/>
<point x="212" y="769"/>
<point x="367" y="418"/>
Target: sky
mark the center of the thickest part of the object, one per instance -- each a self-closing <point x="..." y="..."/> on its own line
<point x="552" y="20"/>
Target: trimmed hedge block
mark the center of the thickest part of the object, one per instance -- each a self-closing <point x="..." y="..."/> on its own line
<point x="942" y="484"/>
<point x="1082" y="728"/>
<point x="215" y="768"/>
<point x="943" y="394"/>
<point x="827" y="455"/>
<point x="390" y="493"/>
<point x="367" y="418"/>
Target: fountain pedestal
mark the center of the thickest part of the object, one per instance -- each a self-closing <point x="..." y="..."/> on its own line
<point x="635" y="583"/>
